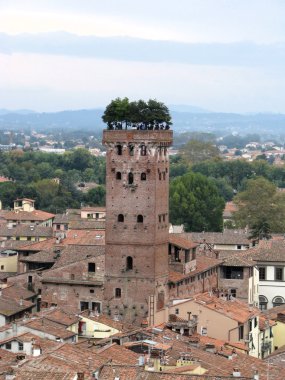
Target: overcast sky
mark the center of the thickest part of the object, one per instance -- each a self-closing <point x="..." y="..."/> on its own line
<point x="221" y="55"/>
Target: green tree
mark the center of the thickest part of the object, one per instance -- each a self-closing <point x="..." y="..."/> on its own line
<point x="195" y="151"/>
<point x="96" y="196"/>
<point x="121" y="112"/>
<point x="261" y="230"/>
<point x="196" y="203"/>
<point x="260" y="205"/>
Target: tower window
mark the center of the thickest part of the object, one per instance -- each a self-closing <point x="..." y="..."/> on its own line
<point x="131" y="150"/>
<point x="121" y="218"/>
<point x="118" y="293"/>
<point x="143" y="177"/>
<point x="118" y="175"/>
<point x="91" y="267"/>
<point x="129" y="263"/>
<point x="119" y="150"/>
<point x="143" y="150"/>
<point x="139" y="219"/>
<point x="159" y="175"/>
<point x="130" y="178"/>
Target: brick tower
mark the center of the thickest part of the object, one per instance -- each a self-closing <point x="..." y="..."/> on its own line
<point x="137" y="186"/>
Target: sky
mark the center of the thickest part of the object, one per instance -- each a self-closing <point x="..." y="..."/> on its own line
<point x="220" y="55"/>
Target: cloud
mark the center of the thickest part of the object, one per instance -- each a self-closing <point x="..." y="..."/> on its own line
<point x="143" y="50"/>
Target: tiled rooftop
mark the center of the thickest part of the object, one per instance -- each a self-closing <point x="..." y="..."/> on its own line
<point x="36" y="215"/>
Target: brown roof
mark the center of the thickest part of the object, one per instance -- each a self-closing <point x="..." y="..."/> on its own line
<point x="17" y="292"/>
<point x="38" y="246"/>
<point x="225" y="237"/>
<point x="49" y="327"/>
<point x="74" y="253"/>
<point x="36" y="215"/>
<point x="26" y="230"/>
<point x="240" y="259"/>
<point x="60" y="316"/>
<point x="41" y="257"/>
<point x="84" y="224"/>
<point x="272" y="313"/>
<point x="94" y="208"/>
<point x="216" y="364"/>
<point x="230" y="208"/>
<point x="118" y="354"/>
<point x="234" y="309"/>
<point x="9" y="307"/>
<point x="23" y="374"/>
<point x="179" y="241"/>
<point x="271" y="250"/>
<point x="84" y="237"/>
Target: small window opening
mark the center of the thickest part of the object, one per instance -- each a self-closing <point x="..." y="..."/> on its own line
<point x="119" y="150"/>
<point x="129" y="263"/>
<point x="159" y="176"/>
<point x="118" y="175"/>
<point x="121" y="218"/>
<point x="159" y="218"/>
<point x="143" y="177"/>
<point x="139" y="219"/>
<point x="91" y="267"/>
<point x="130" y="178"/>
<point x="143" y="150"/>
<point x="118" y="293"/>
<point x="131" y="150"/>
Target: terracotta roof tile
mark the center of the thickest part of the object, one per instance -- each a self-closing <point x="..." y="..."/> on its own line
<point x="37" y="215"/>
<point x="179" y="241"/>
<point x="26" y="230"/>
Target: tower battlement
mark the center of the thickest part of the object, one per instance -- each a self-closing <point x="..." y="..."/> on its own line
<point x="163" y="137"/>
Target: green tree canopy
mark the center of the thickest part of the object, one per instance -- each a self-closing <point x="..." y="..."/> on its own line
<point x="196" y="203"/>
<point x="195" y="151"/>
<point x="260" y="205"/>
<point x="123" y="113"/>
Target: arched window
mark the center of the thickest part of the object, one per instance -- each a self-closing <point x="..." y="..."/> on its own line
<point x="277" y="301"/>
<point x="119" y="150"/>
<point x="130" y="178"/>
<point x="129" y="263"/>
<point x="139" y="219"/>
<point x="143" y="150"/>
<point x="143" y="177"/>
<point x="118" y="293"/>
<point x="121" y="218"/>
<point x="118" y="175"/>
<point x="263" y="303"/>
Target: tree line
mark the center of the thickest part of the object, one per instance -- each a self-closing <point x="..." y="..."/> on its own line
<point x="51" y="179"/>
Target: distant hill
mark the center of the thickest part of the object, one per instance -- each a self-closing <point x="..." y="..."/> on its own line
<point x="185" y="118"/>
